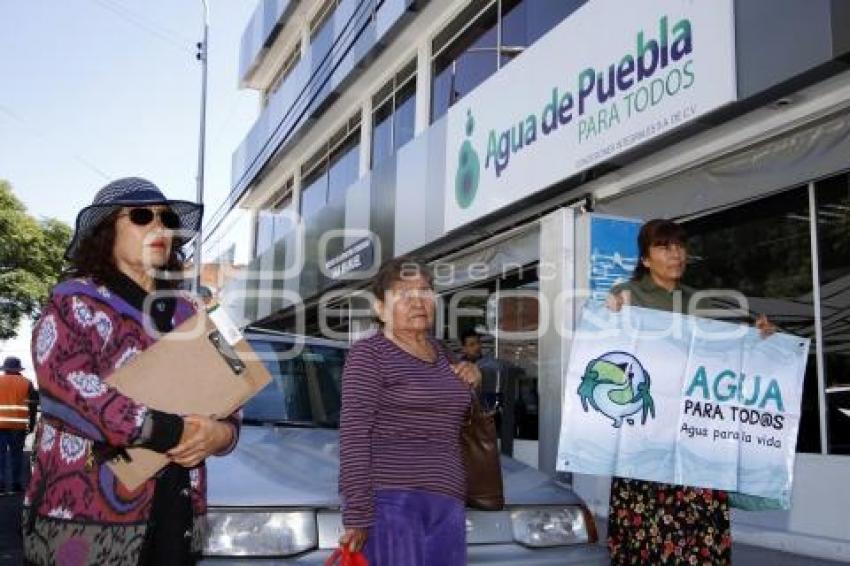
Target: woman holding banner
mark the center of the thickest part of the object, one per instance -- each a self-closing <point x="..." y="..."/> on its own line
<point x="649" y="522"/>
<point x="118" y="296"/>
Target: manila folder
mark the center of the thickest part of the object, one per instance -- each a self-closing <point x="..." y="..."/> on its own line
<point x="194" y="369"/>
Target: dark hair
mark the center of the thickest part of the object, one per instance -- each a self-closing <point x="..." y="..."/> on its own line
<point x="657" y="232"/>
<point x="94" y="258"/>
<point x="468" y="333"/>
<point x="399" y="269"/>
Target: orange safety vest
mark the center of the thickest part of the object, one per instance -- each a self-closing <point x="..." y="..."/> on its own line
<point x="14" y="395"/>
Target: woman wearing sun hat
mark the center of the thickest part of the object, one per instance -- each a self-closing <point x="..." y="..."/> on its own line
<point x="126" y="248"/>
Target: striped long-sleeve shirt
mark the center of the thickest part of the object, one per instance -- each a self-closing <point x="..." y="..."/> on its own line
<point x="401" y="420"/>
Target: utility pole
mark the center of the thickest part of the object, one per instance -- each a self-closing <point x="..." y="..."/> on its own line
<point x="201" y="55"/>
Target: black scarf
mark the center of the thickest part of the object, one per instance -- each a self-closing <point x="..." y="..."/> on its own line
<point x="169" y="534"/>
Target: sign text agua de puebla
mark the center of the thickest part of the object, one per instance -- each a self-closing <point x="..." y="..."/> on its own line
<point x="606" y="79"/>
<point x="678" y="399"/>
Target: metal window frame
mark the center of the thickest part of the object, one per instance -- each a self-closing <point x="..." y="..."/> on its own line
<point x="400" y="80"/>
<point x="322" y="15"/>
<point x="319" y="163"/>
<point x="814" y="246"/>
<point x="816" y="303"/>
<point x="451" y="40"/>
<point x="280" y="196"/>
<point x="396" y="92"/>
<point x="321" y="157"/>
<point x="446" y="44"/>
<point x="289" y="62"/>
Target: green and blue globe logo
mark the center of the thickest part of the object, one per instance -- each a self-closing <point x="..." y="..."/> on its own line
<point x="468" y="168"/>
<point x="617" y="385"/>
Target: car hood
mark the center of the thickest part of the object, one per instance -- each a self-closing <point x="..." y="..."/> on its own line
<point x="298" y="467"/>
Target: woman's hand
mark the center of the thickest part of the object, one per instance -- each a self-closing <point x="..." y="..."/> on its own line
<point x="764" y="326"/>
<point x="354" y="538"/>
<point x="616" y="301"/>
<point x="468" y="373"/>
<point x="202" y="437"/>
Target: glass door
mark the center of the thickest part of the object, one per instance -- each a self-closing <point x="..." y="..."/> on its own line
<point x="495" y="324"/>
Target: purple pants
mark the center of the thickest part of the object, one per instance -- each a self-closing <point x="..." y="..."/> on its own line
<point x="416" y="528"/>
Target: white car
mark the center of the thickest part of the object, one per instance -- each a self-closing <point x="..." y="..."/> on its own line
<point x="274" y="499"/>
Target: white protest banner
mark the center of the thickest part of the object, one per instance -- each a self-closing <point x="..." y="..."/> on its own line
<point x="678" y="399"/>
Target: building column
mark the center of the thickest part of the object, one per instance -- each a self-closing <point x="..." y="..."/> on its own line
<point x="305" y="38"/>
<point x="296" y="189"/>
<point x="365" y="137"/>
<point x="557" y="279"/>
<point x="423" y="87"/>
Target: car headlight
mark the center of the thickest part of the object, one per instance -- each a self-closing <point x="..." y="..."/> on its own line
<point x="549" y="526"/>
<point x="253" y="533"/>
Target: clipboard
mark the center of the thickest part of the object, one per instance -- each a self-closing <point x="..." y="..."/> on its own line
<point x="197" y="368"/>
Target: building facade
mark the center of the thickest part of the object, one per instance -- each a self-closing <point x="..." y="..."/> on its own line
<point x="484" y="135"/>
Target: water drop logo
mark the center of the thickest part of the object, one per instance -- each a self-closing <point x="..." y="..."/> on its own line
<point x="617" y="385"/>
<point x="468" y="168"/>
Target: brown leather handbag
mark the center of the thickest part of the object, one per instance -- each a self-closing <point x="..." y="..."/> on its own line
<point x="481" y="457"/>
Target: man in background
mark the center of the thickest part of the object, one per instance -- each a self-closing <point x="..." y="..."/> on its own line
<point x="498" y="387"/>
<point x="18" y="401"/>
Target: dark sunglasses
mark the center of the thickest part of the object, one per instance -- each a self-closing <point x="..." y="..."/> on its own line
<point x="144" y="216"/>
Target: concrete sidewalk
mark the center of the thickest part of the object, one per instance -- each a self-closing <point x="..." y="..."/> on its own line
<point x="744" y="555"/>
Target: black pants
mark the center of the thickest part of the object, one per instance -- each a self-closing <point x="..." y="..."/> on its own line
<point x="169" y="537"/>
<point x="12" y="449"/>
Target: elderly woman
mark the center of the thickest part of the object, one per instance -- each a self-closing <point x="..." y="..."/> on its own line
<point x="126" y="248"/>
<point x="655" y="523"/>
<point x="404" y="401"/>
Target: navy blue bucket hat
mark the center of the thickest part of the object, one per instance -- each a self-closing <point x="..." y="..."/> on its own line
<point x="133" y="191"/>
<point x="12" y="364"/>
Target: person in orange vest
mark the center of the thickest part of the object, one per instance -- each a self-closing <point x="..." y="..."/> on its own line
<point x="17" y="417"/>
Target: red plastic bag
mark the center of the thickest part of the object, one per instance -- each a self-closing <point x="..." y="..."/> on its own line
<point x="344" y="557"/>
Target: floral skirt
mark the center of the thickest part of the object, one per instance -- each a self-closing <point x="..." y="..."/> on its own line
<point x="656" y="523"/>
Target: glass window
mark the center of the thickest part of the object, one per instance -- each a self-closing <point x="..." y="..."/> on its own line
<point x="265" y="233"/>
<point x="382" y="132"/>
<point x="833" y="215"/>
<point x="304" y="390"/>
<point x="515" y="35"/>
<point x="394" y="114"/>
<point x="289" y="64"/>
<point x="467" y="52"/>
<point x="314" y="194"/>
<point x="763" y="250"/>
<point x="466" y="61"/>
<point x="322" y="34"/>
<point x="272" y="221"/>
<point x="405" y="114"/>
<point x="322" y="16"/>
<point x="329" y="172"/>
<point x="518" y="312"/>
<point x="499" y="310"/>
<point x="344" y="168"/>
<point x="282" y="220"/>
<point x="531" y="20"/>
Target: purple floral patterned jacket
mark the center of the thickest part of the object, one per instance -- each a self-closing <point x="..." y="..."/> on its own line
<point x="75" y="510"/>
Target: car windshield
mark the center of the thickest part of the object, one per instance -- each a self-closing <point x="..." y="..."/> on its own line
<point x="304" y="390"/>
